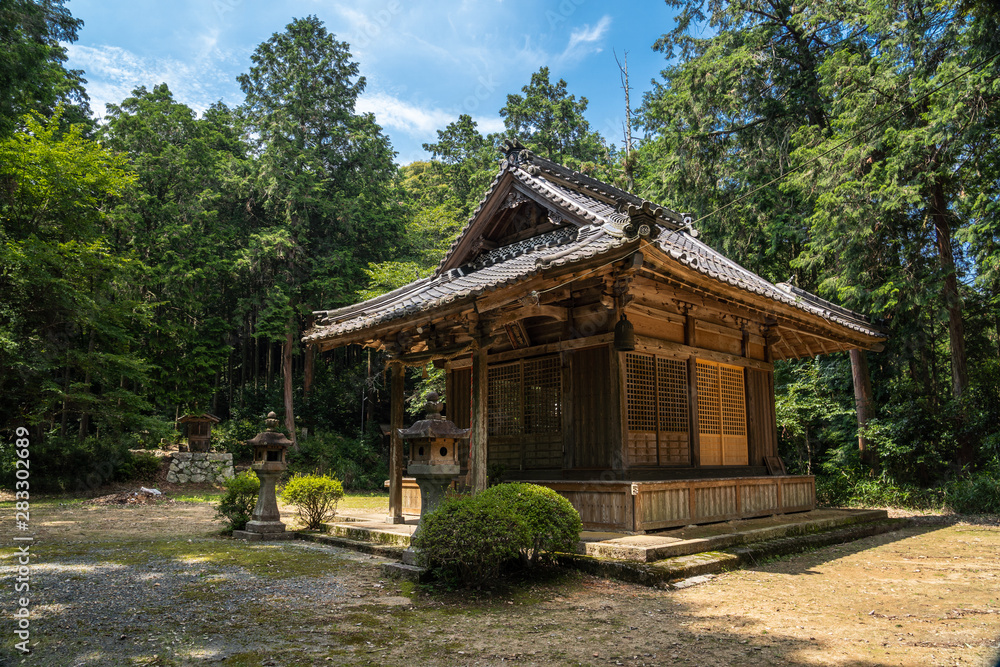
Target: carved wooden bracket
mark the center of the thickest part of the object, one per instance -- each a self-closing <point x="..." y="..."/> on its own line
<point x="684" y="307"/>
<point x="514" y="199"/>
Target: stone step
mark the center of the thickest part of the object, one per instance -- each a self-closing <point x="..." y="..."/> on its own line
<point x="373" y="548"/>
<point x="664" y="572"/>
<point x="716" y="537"/>
<point x="363" y="532"/>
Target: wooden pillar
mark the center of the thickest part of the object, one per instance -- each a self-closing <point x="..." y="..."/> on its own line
<point x="694" y="431"/>
<point x="480" y="377"/>
<point x="618" y="412"/>
<point x="396" y="445"/>
<point x="862" y="399"/>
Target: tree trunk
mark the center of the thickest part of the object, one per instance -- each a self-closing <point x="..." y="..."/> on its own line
<point x="269" y="373"/>
<point x="84" y="414"/>
<point x="809" y="455"/>
<point x="951" y="296"/>
<point x="862" y="401"/>
<point x="65" y="403"/>
<point x="256" y="358"/>
<point x="307" y="372"/>
<point x="286" y="370"/>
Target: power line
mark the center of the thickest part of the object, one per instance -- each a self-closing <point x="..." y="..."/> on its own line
<point x="851" y="138"/>
<point x="804" y="164"/>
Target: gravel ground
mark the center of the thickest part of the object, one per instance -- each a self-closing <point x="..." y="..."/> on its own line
<point x="115" y="613"/>
<point x="157" y="586"/>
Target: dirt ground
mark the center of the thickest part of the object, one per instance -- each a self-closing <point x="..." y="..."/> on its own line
<point x="156" y="585"/>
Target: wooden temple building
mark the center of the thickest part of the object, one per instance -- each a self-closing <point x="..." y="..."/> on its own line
<point x="594" y="345"/>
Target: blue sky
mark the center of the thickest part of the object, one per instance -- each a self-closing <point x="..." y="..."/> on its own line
<point x="425" y="62"/>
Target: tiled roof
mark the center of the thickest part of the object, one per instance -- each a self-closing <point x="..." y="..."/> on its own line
<point x="603" y="234"/>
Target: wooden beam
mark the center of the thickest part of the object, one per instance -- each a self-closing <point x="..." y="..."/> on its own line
<point x="395" y="326"/>
<point x="537" y="350"/>
<point x="729" y="297"/>
<point x="396" y="445"/>
<point x="648" y="344"/>
<point x="427" y="356"/>
<point x="718" y="329"/>
<point x="643" y="307"/>
<point x="552" y="312"/>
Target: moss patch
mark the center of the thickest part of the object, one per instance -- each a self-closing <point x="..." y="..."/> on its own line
<point x="276" y="561"/>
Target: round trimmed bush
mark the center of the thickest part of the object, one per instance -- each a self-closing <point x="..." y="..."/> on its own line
<point x="237" y="504"/>
<point x="315" y="498"/>
<point x="553" y="523"/>
<point x="468" y="540"/>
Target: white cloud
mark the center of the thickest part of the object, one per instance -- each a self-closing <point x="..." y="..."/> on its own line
<point x="489" y="125"/>
<point x="397" y="114"/>
<point x="113" y="73"/>
<point x="585" y="40"/>
<point x="419" y="123"/>
<point x="415" y="120"/>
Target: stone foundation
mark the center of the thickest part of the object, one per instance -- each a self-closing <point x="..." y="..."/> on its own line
<point x="199" y="467"/>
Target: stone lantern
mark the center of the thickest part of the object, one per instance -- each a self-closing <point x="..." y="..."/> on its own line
<point x="434" y="443"/>
<point x="269" y="449"/>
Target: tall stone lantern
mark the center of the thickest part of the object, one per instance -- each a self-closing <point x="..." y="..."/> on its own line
<point x="269" y="449"/>
<point x="434" y="443"/>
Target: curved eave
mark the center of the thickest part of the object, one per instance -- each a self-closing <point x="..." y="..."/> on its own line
<point x="364" y="328"/>
<point x="826" y="330"/>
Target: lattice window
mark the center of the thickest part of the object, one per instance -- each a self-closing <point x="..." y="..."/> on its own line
<point x="504" y="400"/>
<point x="722" y="421"/>
<point x="542" y="395"/>
<point x="672" y="389"/>
<point x="525" y="397"/>
<point x="657" y="410"/>
<point x="709" y="417"/>
<point x="732" y="401"/>
<point x="640" y="381"/>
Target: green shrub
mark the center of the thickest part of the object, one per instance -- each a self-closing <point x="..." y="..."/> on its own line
<point x="237" y="503"/>
<point x="469" y="541"/>
<point x="357" y="462"/>
<point x="71" y="465"/>
<point x="142" y="466"/>
<point x="553" y="524"/>
<point x="315" y="498"/>
<point x="231" y="436"/>
<point x="978" y="493"/>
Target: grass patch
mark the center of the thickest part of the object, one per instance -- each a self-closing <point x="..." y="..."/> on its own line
<point x="369" y="501"/>
<point x="201" y="497"/>
<point x="248" y="659"/>
<point x="265" y="560"/>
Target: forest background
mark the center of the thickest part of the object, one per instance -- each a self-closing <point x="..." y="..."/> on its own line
<point x="163" y="262"/>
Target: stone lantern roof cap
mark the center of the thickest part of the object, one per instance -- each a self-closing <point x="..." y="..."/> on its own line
<point x="433" y="428"/>
<point x="270" y="437"/>
<point x="433" y="425"/>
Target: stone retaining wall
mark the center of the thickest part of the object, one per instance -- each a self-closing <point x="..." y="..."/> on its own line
<point x="198" y="467"/>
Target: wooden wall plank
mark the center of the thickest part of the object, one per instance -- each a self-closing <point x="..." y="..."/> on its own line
<point x="592" y="404"/>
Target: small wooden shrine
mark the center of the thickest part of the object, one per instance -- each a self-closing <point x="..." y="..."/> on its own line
<point x="594" y="345"/>
<point x="199" y="431"/>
